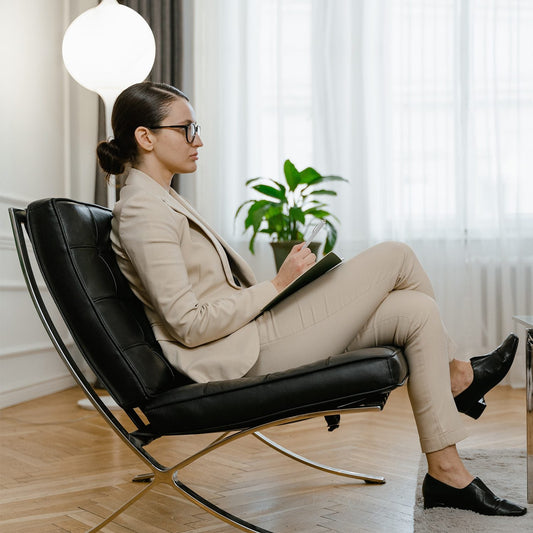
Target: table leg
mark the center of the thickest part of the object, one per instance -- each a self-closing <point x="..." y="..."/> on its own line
<point x="529" y="413"/>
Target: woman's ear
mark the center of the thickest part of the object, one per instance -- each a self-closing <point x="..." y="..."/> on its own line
<point x="144" y="138"/>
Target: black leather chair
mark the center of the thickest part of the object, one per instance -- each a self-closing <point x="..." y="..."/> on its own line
<point x="72" y="247"/>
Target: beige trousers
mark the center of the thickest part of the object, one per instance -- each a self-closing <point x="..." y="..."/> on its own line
<point x="382" y="296"/>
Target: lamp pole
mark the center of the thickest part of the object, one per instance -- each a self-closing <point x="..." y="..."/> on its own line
<point x="109" y="101"/>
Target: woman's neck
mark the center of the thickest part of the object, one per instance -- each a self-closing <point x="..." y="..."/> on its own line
<point x="162" y="176"/>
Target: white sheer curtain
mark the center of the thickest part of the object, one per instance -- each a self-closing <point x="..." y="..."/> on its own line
<point x="253" y="97"/>
<point x="426" y="106"/>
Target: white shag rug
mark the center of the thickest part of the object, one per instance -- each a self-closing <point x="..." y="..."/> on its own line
<point x="504" y="472"/>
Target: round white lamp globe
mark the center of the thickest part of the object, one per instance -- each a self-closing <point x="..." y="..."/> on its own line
<point x="106" y="49"/>
<point x="109" y="48"/>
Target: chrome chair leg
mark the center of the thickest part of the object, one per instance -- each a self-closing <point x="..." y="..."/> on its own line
<point x="170" y="477"/>
<point x="122" y="508"/>
<point x="367" y="478"/>
<point x="214" y="510"/>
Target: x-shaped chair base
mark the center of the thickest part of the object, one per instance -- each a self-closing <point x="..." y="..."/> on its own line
<point x="169" y="476"/>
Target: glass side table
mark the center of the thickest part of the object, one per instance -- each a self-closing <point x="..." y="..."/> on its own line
<point x="527" y="322"/>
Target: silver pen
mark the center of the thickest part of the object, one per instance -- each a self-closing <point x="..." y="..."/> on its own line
<point x="316" y="229"/>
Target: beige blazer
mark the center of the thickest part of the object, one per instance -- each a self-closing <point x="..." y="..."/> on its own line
<point x="185" y="275"/>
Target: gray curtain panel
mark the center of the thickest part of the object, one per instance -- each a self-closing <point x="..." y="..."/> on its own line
<point x="166" y="19"/>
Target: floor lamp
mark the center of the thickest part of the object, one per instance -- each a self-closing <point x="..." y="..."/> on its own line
<point x="106" y="49"/>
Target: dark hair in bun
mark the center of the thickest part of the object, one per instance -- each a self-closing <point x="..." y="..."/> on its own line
<point x="110" y="157"/>
<point x="142" y="104"/>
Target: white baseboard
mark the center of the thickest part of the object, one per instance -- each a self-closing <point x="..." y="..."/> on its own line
<point x="36" y="390"/>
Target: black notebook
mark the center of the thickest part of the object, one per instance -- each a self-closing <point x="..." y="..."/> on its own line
<point x="329" y="261"/>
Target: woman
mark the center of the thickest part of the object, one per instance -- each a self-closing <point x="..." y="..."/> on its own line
<point x="203" y="302"/>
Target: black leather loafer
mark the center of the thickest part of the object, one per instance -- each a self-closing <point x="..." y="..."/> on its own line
<point x="475" y="497"/>
<point x="489" y="370"/>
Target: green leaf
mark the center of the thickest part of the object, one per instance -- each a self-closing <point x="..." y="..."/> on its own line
<point x="267" y="190"/>
<point x="256" y="214"/>
<point x="309" y="175"/>
<point x="317" y="213"/>
<point x="252" y="240"/>
<point x="291" y="175"/>
<point x="252" y="180"/>
<point x="240" y="207"/>
<point x="275" y="210"/>
<point x="282" y="228"/>
<point x="258" y="204"/>
<point x="280" y="185"/>
<point x="295" y="213"/>
<point x="323" y="179"/>
<point x="325" y="192"/>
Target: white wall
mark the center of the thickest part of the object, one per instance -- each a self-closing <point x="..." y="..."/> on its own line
<point x="47" y="139"/>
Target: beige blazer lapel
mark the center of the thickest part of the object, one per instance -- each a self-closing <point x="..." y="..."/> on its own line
<point x="138" y="179"/>
<point x="222" y="247"/>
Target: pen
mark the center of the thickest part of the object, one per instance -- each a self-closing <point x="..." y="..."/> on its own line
<point x="316" y="229"/>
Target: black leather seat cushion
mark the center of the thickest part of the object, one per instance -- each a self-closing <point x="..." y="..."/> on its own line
<point x="334" y="383"/>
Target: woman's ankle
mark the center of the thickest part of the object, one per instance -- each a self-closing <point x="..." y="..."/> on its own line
<point x="457" y="479"/>
<point x="461" y="376"/>
<point x="446" y="466"/>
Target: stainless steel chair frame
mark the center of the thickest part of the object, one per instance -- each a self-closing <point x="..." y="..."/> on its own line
<point x="161" y="474"/>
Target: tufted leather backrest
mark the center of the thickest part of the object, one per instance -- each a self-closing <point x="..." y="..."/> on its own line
<point x="72" y="246"/>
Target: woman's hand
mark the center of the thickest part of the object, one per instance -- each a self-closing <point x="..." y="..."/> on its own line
<point x="297" y="262"/>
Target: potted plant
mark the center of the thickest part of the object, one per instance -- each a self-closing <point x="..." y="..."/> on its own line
<point x="286" y="210"/>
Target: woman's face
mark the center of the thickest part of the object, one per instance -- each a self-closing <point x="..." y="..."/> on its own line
<point x="171" y="149"/>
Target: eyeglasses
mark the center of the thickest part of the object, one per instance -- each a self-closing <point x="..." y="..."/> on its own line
<point x="191" y="130"/>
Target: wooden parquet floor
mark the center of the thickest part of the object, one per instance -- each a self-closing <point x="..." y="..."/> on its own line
<point x="62" y="469"/>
